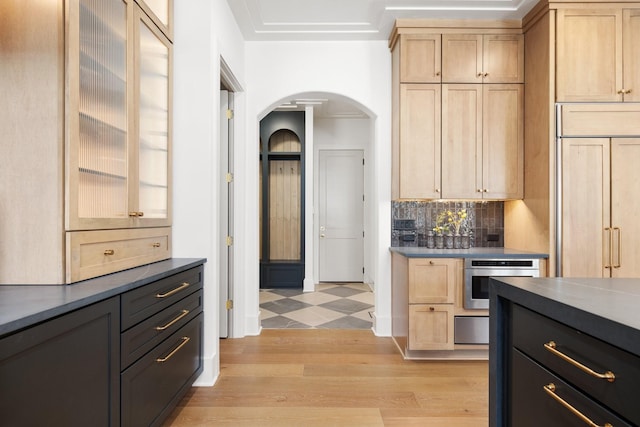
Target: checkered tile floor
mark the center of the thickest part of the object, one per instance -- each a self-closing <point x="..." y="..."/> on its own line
<point x="331" y="306"/>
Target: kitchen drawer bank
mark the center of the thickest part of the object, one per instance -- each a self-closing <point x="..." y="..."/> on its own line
<point x="117" y="350"/>
<point x="564" y="351"/>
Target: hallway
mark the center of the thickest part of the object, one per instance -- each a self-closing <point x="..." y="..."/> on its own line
<point x="331" y="306"/>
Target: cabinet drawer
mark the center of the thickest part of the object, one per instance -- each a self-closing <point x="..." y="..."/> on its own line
<point x="144" y="336"/>
<point x="154" y="384"/>
<point x="96" y="253"/>
<point x="619" y="395"/>
<point x="532" y="405"/>
<point x="430" y="327"/>
<point x="144" y="302"/>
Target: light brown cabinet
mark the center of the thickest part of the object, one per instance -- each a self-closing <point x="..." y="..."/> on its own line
<point x="598" y="55"/>
<point x="102" y="138"/>
<point x="418" y="157"/>
<point x="482" y="141"/>
<point x="424" y="293"/>
<point x="420" y="55"/>
<point x="447" y="142"/>
<point x="600" y="207"/>
<point x="477" y="58"/>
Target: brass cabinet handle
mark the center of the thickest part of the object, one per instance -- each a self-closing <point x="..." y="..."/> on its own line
<point x="437" y="73"/>
<point x="171" y="292"/>
<point x="621" y="92"/>
<point x="180" y="316"/>
<point x="486" y="190"/>
<point x="628" y="91"/>
<point x="437" y="190"/>
<point x="156" y="245"/>
<point x="479" y="190"/>
<point x="485" y="75"/>
<point x="109" y="252"/>
<point x="617" y="265"/>
<point x="609" y="376"/>
<point x="608" y="229"/>
<point x="479" y="74"/>
<point x="136" y="214"/>
<point x="550" y="389"/>
<point x="185" y="340"/>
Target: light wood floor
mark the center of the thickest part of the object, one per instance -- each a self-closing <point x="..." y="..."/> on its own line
<point x="334" y="378"/>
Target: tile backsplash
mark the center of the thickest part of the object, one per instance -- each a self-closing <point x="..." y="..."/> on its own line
<point x="484" y="222"/>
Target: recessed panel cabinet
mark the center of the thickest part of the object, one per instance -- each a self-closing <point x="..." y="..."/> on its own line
<point x="477" y="58"/>
<point x="457" y="115"/>
<point x="611" y="69"/>
<point x="482" y="141"/>
<point x="96" y="155"/>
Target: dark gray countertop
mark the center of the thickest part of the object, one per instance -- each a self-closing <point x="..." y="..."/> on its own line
<point x="25" y="305"/>
<point x="608" y="309"/>
<point x="413" y="252"/>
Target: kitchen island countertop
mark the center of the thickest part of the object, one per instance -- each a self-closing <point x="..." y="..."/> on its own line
<point x="421" y="252"/>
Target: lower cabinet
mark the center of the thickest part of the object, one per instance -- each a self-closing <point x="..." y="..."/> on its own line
<point x="63" y="372"/>
<point x="126" y="360"/>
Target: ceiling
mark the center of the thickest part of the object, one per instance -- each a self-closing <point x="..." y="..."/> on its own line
<point x="294" y="20"/>
<point x="357" y="19"/>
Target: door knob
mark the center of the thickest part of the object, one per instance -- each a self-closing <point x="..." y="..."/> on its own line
<point x="322" y="235"/>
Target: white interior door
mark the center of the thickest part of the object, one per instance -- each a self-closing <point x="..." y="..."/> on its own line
<point x="226" y="210"/>
<point x="341" y="215"/>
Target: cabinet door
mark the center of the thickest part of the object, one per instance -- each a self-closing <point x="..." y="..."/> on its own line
<point x="419" y="149"/>
<point x="502" y="141"/>
<point x="161" y="11"/>
<point x="430" y="327"/>
<point x="503" y="58"/>
<point x="150" y="166"/>
<point x="585" y="207"/>
<point x="420" y="58"/>
<point x="625" y="206"/>
<point x="433" y="280"/>
<point x="97" y="145"/>
<point x="589" y="55"/>
<point x="631" y="46"/>
<point x="461" y="58"/>
<point x="462" y="141"/>
<point x="63" y="372"/>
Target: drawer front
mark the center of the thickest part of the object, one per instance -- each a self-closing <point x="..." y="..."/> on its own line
<point x="96" y="253"/>
<point x="137" y="341"/>
<point x="535" y="330"/>
<point x="154" y="384"/>
<point x="533" y="406"/>
<point x="144" y="302"/>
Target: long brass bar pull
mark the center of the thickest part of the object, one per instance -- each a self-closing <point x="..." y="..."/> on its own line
<point x="609" y="376"/>
<point x="550" y="389"/>
<point x="180" y="316"/>
<point x="185" y="340"/>
<point x="610" y="248"/>
<point x="173" y="291"/>
<point x="617" y="264"/>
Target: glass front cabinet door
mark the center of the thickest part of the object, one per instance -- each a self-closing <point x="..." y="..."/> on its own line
<point x="118" y="134"/>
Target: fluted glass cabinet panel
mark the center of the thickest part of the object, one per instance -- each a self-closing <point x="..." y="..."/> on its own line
<point x="153" y="121"/>
<point x="102" y="146"/>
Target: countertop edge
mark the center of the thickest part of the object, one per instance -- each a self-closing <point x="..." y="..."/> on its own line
<point x="82" y="294"/>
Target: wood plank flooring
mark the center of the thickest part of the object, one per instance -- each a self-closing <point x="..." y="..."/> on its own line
<point x="315" y="377"/>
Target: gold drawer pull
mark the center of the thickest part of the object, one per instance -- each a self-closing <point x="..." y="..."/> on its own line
<point x="550" y="389"/>
<point x="156" y="245"/>
<point x="609" y="376"/>
<point x="185" y="340"/>
<point x="109" y="252"/>
<point x="178" y="289"/>
<point x="180" y="316"/>
<point x="136" y="214"/>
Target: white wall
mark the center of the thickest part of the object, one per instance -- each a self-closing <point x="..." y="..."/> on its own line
<point x="360" y="71"/>
<point x="204" y="31"/>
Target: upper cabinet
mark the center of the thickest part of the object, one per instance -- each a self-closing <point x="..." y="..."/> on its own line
<point x="420" y="56"/>
<point x="489" y="58"/>
<point x="451" y="139"/>
<point x="482" y="141"/>
<point x="160" y="11"/>
<point x="610" y="72"/>
<point x="119" y="121"/>
<point x="96" y="108"/>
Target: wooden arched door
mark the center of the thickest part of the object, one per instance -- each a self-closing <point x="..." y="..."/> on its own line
<point x="282" y="200"/>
